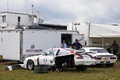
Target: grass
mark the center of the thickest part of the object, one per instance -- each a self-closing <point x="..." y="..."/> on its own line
<point x="112" y="73"/>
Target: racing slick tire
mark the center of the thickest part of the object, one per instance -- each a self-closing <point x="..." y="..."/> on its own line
<point x="30" y="65"/>
<point x="41" y="68"/>
<point x="81" y="68"/>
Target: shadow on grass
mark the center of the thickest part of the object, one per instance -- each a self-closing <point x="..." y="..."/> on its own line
<point x="89" y="70"/>
<point x="8" y="62"/>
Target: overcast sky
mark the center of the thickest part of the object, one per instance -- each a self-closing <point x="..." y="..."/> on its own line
<point x="68" y="11"/>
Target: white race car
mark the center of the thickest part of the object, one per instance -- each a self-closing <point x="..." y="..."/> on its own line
<point x="101" y="55"/>
<point x="59" y="56"/>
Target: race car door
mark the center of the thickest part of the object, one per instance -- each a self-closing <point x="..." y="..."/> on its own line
<point x="80" y="38"/>
<point x="47" y="58"/>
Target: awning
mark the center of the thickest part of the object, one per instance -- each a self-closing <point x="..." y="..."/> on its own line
<point x="98" y="30"/>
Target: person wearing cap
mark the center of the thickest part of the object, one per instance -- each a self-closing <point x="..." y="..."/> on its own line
<point x="76" y="45"/>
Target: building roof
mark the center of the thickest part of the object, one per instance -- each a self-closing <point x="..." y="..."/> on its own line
<point x="55" y="26"/>
<point x="17" y="13"/>
<point x="36" y="27"/>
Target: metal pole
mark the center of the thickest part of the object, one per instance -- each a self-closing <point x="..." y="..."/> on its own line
<point x="7" y="12"/>
<point x="32" y="15"/>
<point x="7" y="5"/>
<point x="89" y="33"/>
<point x="72" y="27"/>
<point x="102" y="42"/>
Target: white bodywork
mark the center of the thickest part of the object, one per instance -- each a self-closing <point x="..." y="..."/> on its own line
<point x="48" y="57"/>
<point x="101" y="55"/>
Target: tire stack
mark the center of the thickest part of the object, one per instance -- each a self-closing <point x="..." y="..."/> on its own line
<point x="41" y="68"/>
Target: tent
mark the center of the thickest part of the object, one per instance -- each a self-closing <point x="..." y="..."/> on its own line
<point x="98" y="30"/>
<point x="104" y="35"/>
<point x="101" y="35"/>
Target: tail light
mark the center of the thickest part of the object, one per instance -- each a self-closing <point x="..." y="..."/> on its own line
<point x="113" y="57"/>
<point x="97" y="58"/>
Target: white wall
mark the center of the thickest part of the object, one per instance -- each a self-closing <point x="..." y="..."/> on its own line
<point x="2" y="23"/>
<point x="12" y="19"/>
<point x="24" y="19"/>
<point x="83" y="28"/>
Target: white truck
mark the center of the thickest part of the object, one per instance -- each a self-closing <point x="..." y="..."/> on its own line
<point x="17" y="44"/>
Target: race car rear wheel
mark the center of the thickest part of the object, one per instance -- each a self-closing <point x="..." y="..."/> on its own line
<point x="30" y="65"/>
<point x="81" y="68"/>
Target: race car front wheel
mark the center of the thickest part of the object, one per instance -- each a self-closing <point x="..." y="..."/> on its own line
<point x="30" y="65"/>
<point x="81" y="68"/>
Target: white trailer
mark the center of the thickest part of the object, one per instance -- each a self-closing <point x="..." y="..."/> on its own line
<point x="17" y="44"/>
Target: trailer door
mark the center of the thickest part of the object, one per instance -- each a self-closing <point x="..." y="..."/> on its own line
<point x="10" y="44"/>
<point x="80" y="37"/>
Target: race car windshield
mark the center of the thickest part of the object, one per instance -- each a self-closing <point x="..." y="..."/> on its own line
<point x="48" y="52"/>
<point x="99" y="50"/>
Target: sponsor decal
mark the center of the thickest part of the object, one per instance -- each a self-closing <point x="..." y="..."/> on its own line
<point x="33" y="49"/>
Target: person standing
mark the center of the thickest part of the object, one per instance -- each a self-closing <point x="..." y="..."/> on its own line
<point x="76" y="45"/>
<point x="115" y="47"/>
<point x="63" y="44"/>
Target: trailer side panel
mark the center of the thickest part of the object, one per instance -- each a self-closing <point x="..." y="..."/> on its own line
<point x="37" y="41"/>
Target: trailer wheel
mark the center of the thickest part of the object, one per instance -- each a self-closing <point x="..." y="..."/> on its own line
<point x="30" y="65"/>
<point x="81" y="68"/>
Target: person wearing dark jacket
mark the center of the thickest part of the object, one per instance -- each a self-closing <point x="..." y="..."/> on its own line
<point x="115" y="48"/>
<point x="76" y="45"/>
